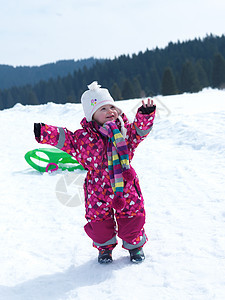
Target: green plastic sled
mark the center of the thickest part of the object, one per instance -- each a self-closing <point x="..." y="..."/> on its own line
<point x="55" y="159"/>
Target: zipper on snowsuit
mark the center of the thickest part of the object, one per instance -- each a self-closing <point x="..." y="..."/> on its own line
<point x="135" y="186"/>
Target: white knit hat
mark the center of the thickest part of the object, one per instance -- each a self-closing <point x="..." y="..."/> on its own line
<point x="94" y="98"/>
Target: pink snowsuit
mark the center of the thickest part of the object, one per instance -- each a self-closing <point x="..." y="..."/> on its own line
<point x="89" y="147"/>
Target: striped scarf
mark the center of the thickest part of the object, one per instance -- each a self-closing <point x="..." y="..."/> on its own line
<point x="118" y="162"/>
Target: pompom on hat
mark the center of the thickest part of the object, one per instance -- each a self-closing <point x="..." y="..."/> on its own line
<point x="94" y="98"/>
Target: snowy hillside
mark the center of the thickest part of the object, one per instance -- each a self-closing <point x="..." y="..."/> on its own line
<point x="44" y="251"/>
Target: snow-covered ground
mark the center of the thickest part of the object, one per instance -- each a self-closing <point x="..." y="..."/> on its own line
<point x="44" y="251"/>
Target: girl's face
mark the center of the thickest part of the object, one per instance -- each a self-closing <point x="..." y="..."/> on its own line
<point x="105" y="113"/>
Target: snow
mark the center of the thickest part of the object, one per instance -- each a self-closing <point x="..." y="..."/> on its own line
<point x="44" y="251"/>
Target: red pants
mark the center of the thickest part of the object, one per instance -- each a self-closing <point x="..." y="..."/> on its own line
<point x="130" y="230"/>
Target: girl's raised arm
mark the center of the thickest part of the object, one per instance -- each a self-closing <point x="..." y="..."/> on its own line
<point x="58" y="137"/>
<point x="142" y="125"/>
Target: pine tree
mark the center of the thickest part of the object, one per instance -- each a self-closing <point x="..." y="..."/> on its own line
<point x="154" y="81"/>
<point x="61" y="96"/>
<point x="32" y="98"/>
<point x="1" y="101"/>
<point x="10" y="102"/>
<point x="189" y="80"/>
<point x="137" y="87"/>
<point x="39" y="90"/>
<point x="116" y="92"/>
<point x="127" y="90"/>
<point x="168" y="83"/>
<point x="202" y="75"/>
<point x="50" y="91"/>
<point x="71" y="98"/>
<point x="218" y="74"/>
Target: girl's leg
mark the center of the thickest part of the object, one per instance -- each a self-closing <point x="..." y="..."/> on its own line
<point x="131" y="231"/>
<point x="103" y="233"/>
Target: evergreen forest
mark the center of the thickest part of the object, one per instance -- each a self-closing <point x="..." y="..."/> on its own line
<point x="180" y="67"/>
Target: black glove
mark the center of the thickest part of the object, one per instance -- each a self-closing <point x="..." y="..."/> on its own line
<point x="37" y="129"/>
<point x="147" y="110"/>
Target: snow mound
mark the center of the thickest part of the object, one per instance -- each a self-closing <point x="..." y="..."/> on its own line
<point x="45" y="253"/>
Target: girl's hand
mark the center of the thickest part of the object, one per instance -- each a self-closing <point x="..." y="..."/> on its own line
<point x="37" y="129"/>
<point x="150" y="103"/>
<point x="148" y="108"/>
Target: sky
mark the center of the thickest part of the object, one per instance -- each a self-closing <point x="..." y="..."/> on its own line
<point x="33" y="33"/>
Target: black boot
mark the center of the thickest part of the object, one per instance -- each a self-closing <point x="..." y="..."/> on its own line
<point x="105" y="256"/>
<point x="137" y="255"/>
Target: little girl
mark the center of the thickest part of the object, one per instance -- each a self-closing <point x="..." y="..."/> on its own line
<point x="105" y="147"/>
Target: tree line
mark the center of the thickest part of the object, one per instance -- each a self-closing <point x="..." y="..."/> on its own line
<point x="21" y="75"/>
<point x="180" y="67"/>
